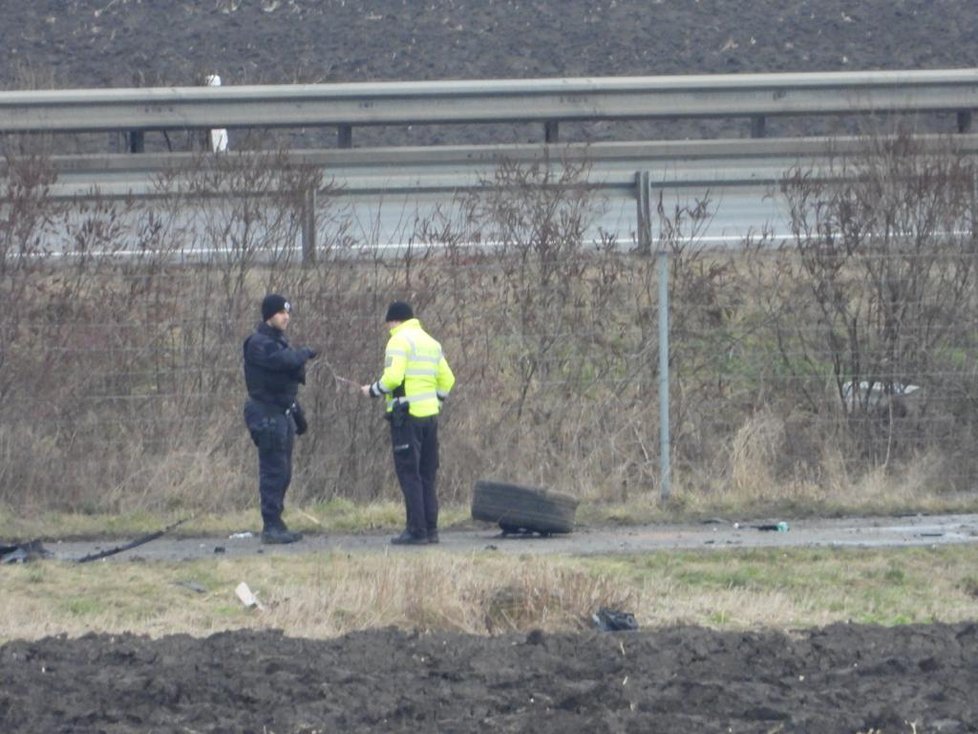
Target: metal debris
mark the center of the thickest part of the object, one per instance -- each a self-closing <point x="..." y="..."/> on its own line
<point x="32" y="550"/>
<point x="613" y="620"/>
<point x="132" y="544"/>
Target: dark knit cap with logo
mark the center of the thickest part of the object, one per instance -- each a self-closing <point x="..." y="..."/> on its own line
<point x="399" y="311"/>
<point x="272" y="304"/>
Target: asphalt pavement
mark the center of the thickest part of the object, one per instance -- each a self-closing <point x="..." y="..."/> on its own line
<point x="869" y="532"/>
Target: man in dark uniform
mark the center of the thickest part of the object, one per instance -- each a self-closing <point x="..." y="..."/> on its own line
<point x="273" y="372"/>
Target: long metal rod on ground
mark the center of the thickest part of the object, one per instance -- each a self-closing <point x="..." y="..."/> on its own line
<point x="132" y="544"/>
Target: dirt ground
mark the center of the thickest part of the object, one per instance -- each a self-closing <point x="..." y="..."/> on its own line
<point x="844" y="678"/>
<point x="122" y="43"/>
<point x="97" y="43"/>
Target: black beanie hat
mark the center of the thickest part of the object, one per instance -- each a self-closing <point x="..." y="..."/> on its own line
<point x="272" y="304"/>
<point x="399" y="311"/>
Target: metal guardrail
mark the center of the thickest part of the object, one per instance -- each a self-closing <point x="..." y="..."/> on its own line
<point x="624" y="171"/>
<point x="449" y="169"/>
<point x="549" y="101"/>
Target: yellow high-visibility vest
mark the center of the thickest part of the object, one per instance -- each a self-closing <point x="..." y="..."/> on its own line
<point x="415" y="360"/>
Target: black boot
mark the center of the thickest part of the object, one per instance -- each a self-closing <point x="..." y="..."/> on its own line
<point x="409" y="538"/>
<point x="279" y="535"/>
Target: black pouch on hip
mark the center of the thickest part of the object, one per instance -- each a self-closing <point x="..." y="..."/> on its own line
<point x="399" y="414"/>
<point x="264" y="435"/>
<point x="299" y="416"/>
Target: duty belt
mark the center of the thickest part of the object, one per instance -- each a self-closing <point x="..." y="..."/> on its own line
<point x="272" y="407"/>
<point x="413" y="398"/>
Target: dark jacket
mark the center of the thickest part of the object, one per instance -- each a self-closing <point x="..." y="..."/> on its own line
<point x="273" y="370"/>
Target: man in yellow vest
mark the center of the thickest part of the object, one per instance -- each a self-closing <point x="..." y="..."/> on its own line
<point x="416" y="381"/>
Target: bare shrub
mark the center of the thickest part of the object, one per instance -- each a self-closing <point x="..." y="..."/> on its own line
<point x="557" y="340"/>
<point x="883" y="253"/>
<point x="754" y="454"/>
<point x="126" y="339"/>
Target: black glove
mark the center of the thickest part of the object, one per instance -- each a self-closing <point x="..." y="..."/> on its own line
<point x="310" y="353"/>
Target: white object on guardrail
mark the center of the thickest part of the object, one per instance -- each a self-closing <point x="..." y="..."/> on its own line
<point x="219" y="137"/>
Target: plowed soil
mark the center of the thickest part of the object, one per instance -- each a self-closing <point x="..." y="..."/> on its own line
<point x="124" y="43"/>
<point x="844" y="678"/>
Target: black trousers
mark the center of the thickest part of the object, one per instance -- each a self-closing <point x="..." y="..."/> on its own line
<point x="273" y="432"/>
<point x="415" y="446"/>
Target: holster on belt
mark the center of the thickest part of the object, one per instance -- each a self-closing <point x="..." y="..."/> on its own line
<point x="398" y="415"/>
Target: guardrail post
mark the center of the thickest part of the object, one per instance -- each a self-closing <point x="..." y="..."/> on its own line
<point x="665" y="449"/>
<point x="137" y="141"/>
<point x="344" y="136"/>
<point x="309" y="226"/>
<point x="757" y="126"/>
<point x="964" y="121"/>
<point x="644" y="213"/>
<point x="643" y="195"/>
<point x="551" y="131"/>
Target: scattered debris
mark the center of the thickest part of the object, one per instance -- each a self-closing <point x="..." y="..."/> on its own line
<point x="535" y="637"/>
<point x="780" y="527"/>
<point x="877" y="395"/>
<point x="247" y="597"/>
<point x="509" y="532"/>
<point x="32" y="550"/>
<point x="613" y="620"/>
<point x="244" y="534"/>
<point x="310" y="517"/>
<point x="132" y="544"/>
<point x="192" y="585"/>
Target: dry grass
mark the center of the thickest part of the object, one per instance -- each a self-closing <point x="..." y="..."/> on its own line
<point x="754" y="453"/>
<point x="327" y="595"/>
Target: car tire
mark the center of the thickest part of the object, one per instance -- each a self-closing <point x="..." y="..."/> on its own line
<point x="516" y="508"/>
